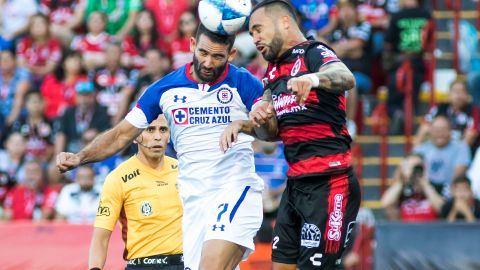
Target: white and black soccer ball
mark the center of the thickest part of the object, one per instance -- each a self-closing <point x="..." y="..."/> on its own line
<point x="224" y="17"/>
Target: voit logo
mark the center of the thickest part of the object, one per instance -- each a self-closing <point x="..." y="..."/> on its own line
<point x="310" y="235"/>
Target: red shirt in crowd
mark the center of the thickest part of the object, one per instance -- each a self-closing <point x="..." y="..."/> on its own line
<point x="91" y="44"/>
<point x="167" y="14"/>
<point x="39" y="55"/>
<point x="23" y="201"/>
<point x="417" y="209"/>
<point x="180" y="50"/>
<point x="58" y="95"/>
<point x="59" y="11"/>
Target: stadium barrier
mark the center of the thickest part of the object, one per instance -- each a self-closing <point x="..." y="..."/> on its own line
<point x="427" y="246"/>
<point x="42" y="246"/>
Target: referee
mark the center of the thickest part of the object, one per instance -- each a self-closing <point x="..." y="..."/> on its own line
<point x="141" y="193"/>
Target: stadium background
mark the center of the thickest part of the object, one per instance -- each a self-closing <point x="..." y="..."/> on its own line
<point x="47" y="226"/>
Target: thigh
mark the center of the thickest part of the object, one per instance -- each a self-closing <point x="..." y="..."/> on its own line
<point x="328" y="216"/>
<point x="285" y="234"/>
<point x="236" y="216"/>
<point x="220" y="255"/>
<point x="193" y="227"/>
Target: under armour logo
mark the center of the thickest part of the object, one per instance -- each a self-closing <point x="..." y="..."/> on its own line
<point x="221" y="227"/>
<point x="176" y="99"/>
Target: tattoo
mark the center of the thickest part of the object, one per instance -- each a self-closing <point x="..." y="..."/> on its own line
<point x="267" y="95"/>
<point x="336" y="78"/>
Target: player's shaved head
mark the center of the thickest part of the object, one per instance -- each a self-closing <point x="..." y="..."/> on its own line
<point x="276" y="8"/>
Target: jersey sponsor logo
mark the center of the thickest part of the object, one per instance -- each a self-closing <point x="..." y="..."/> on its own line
<point x="310" y="236"/>
<point x="176" y="98"/>
<point x="161" y="183"/>
<point x="224" y="95"/>
<point x="146" y="208"/>
<point x="335" y="220"/>
<point x="286" y="103"/>
<point x="202" y="115"/>
<point x="130" y="176"/>
<point x="296" y="67"/>
<point x="155" y="260"/>
<point x="180" y="116"/>
<point x="314" y="258"/>
<point x="298" y="51"/>
<point x="103" y="211"/>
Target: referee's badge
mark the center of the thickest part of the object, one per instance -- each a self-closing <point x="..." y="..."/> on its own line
<point x="146" y="208"/>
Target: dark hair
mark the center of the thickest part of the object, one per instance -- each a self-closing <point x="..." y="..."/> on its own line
<point x="59" y="72"/>
<point x="153" y="33"/>
<point x="214" y="37"/>
<point x="462" y="179"/>
<point x="270" y="5"/>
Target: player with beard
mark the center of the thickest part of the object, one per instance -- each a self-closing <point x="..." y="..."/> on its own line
<point x="304" y="105"/>
<point x="222" y="195"/>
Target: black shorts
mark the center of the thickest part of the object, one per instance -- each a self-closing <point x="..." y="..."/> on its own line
<point x="315" y="220"/>
<point x="157" y="262"/>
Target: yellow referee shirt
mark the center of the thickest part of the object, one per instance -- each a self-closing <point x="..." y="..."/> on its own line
<point x="147" y="204"/>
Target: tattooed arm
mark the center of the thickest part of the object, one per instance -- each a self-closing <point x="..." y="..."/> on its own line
<point x="335" y="78"/>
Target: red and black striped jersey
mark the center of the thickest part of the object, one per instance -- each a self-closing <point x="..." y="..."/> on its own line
<point x="315" y="135"/>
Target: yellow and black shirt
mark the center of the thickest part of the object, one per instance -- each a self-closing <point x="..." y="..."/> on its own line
<point x="147" y="204"/>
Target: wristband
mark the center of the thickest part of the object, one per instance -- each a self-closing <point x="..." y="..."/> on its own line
<point x="314" y="78"/>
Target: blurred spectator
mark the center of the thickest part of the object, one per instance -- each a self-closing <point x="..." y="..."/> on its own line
<point x="180" y="47"/>
<point x="459" y="112"/>
<point x="361" y="232"/>
<point x="82" y="122"/>
<point x="318" y="17"/>
<point x="473" y="173"/>
<point x="58" y="89"/>
<point x="445" y="159"/>
<point x="167" y="14"/>
<point x="11" y="162"/>
<point x="157" y="65"/>
<point x="473" y="79"/>
<point x="14" y="85"/>
<point x="121" y="15"/>
<point x="14" y="16"/>
<point x="411" y="197"/>
<point x="38" y="51"/>
<point x="351" y="40"/>
<point x="143" y="38"/>
<point x="271" y="166"/>
<point x="77" y="202"/>
<point x="115" y="85"/>
<point x="92" y="46"/>
<point x="463" y="205"/>
<point x="33" y="199"/>
<point x="376" y="14"/>
<point x="65" y="16"/>
<point x="258" y="66"/>
<point x="35" y="128"/>
<point x="404" y="52"/>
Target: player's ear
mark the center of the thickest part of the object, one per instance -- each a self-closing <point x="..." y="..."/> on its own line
<point x="232" y="54"/>
<point x="193" y="44"/>
<point x="285" y="21"/>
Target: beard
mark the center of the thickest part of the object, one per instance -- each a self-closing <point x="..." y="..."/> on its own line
<point x="215" y="72"/>
<point x="274" y="47"/>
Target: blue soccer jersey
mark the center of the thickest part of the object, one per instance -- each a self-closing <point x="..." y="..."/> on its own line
<point x="197" y="114"/>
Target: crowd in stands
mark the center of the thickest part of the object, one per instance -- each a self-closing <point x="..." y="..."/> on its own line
<point x="70" y="69"/>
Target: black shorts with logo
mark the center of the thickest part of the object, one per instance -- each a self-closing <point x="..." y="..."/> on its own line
<point x="315" y="220"/>
<point x="157" y="262"/>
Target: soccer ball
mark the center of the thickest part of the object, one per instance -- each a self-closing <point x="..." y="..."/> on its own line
<point x="224" y="17"/>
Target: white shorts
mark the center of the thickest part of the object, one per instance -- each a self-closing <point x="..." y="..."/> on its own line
<point x="232" y="214"/>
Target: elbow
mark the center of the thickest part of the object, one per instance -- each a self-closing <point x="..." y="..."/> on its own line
<point x="350" y="81"/>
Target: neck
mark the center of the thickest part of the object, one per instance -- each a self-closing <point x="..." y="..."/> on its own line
<point x="292" y="40"/>
<point x="154" y="163"/>
<point x="41" y="40"/>
<point x="34" y="118"/>
<point x="70" y="77"/>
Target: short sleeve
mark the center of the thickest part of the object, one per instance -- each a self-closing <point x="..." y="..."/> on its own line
<point x="464" y="155"/>
<point x="147" y="108"/>
<point x="251" y="89"/>
<point x="111" y="203"/>
<point x="320" y="55"/>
